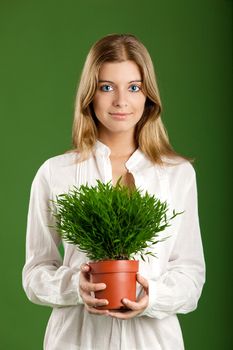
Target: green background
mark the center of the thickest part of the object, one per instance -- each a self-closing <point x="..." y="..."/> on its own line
<point x="43" y="47"/>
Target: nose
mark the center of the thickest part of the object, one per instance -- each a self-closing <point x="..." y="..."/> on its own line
<point x="120" y="99"/>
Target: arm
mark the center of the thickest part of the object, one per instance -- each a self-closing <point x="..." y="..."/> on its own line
<point x="45" y="280"/>
<point x="179" y="288"/>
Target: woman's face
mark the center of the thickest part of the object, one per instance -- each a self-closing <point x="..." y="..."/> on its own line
<point x="119" y="101"/>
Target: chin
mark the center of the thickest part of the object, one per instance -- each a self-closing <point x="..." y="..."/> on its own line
<point x="123" y="126"/>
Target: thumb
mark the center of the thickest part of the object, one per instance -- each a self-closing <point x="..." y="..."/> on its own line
<point x="143" y="281"/>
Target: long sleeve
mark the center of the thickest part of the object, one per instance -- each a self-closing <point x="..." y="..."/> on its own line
<point x="179" y="288"/>
<point x="46" y="280"/>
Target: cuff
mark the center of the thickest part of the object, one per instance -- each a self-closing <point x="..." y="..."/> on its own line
<point x="154" y="310"/>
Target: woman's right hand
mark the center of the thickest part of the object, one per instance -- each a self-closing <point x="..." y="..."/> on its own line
<point x="85" y="290"/>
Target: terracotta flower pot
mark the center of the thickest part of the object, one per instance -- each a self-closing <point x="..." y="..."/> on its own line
<point x="120" y="279"/>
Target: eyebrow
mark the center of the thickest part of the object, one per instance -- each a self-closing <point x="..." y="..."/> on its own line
<point x="112" y="82"/>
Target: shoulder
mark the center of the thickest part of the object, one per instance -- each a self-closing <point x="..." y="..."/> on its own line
<point x="181" y="166"/>
<point x="59" y="164"/>
<point x="63" y="160"/>
<point x="181" y="181"/>
<point x="179" y="170"/>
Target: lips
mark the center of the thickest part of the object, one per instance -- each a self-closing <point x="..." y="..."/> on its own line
<point x="119" y="114"/>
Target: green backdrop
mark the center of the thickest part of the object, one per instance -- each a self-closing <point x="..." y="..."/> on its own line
<point x="43" y="46"/>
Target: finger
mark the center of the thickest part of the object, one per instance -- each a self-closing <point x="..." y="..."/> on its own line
<point x="85" y="270"/>
<point x="135" y="308"/>
<point x="85" y="267"/>
<point x="128" y="314"/>
<point x="94" y="311"/>
<point x="141" y="280"/>
<point x="139" y="305"/>
<point x="88" y="287"/>
<point x="93" y="302"/>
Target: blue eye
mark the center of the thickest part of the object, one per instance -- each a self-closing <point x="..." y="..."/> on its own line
<point x="106" y="88"/>
<point x="135" y="88"/>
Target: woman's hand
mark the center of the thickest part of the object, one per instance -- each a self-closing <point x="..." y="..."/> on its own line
<point x="85" y="289"/>
<point x="136" y="307"/>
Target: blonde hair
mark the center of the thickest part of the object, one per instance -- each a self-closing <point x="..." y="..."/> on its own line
<point x="150" y="134"/>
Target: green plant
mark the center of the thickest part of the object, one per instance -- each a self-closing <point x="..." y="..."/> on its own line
<point x="110" y="222"/>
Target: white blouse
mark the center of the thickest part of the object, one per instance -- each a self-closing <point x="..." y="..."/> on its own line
<point x="176" y="276"/>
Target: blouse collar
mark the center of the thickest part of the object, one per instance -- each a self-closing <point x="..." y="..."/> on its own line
<point x="136" y="160"/>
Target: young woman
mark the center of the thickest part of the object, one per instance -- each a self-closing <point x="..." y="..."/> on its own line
<point x="117" y="131"/>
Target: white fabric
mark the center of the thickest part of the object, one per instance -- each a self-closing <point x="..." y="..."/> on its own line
<point x="176" y="276"/>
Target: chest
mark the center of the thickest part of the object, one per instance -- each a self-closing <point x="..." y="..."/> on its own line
<point x="119" y="170"/>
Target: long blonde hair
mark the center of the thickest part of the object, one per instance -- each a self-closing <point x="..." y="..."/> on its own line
<point x="150" y="134"/>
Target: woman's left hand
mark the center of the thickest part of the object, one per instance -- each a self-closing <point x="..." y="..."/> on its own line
<point x="136" y="307"/>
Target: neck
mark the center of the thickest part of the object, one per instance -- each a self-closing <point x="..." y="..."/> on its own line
<point x="120" y="145"/>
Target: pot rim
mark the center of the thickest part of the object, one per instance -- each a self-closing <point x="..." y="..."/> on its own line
<point x="107" y="266"/>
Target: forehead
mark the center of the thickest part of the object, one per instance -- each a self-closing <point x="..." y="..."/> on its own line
<point x="126" y="70"/>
